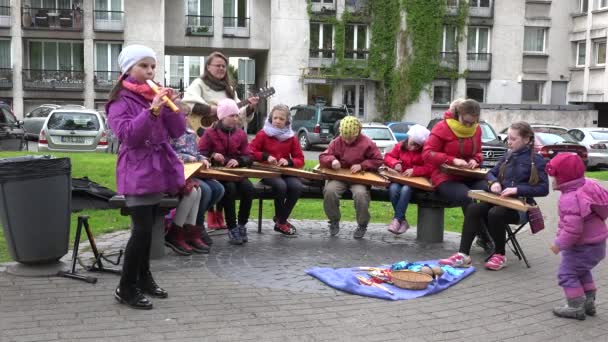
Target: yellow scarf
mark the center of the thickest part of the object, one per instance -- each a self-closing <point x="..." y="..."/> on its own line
<point x="460" y="130"/>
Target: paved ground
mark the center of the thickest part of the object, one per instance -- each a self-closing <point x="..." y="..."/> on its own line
<point x="260" y="292"/>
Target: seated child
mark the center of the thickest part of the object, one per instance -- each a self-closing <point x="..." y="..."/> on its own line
<point x="184" y="236"/>
<point x="351" y="150"/>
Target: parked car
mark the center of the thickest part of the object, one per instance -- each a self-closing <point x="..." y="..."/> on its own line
<point x="595" y="139"/>
<point x="381" y="135"/>
<point x="11" y="132"/>
<point x="541" y="128"/>
<point x="73" y="129"/>
<point x="33" y="121"/>
<point x="400" y="128"/>
<point x="492" y="148"/>
<point x="549" y="145"/>
<point x="314" y="124"/>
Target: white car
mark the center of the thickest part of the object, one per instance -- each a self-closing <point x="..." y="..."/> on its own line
<point x="595" y="139"/>
<point x="381" y="135"/>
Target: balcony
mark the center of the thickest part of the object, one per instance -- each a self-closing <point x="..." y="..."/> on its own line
<point x="111" y="21"/>
<point x="236" y="27"/>
<point x="323" y="6"/>
<point x="360" y="7"/>
<point x="5" y="16"/>
<point x="321" y="58"/>
<point x="105" y="80"/>
<point x="449" y="60"/>
<point x="55" y="19"/>
<point x="358" y="57"/>
<point x="6" y="78"/>
<point x="479" y="62"/>
<point x="46" y="79"/>
<point x="481" y="11"/>
<point x="200" y="25"/>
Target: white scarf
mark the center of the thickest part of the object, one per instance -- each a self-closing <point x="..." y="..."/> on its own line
<point x="281" y="134"/>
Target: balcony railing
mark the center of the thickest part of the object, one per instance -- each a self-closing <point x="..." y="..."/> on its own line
<point x="45" y="79"/>
<point x="321" y="6"/>
<point x="357" y="6"/>
<point x="175" y="84"/>
<point x="448" y="60"/>
<point x="199" y="25"/>
<point x="359" y="55"/>
<point x="109" y="21"/>
<point x="65" y="19"/>
<point x="6" y="78"/>
<point x="479" y="61"/>
<point x="476" y="8"/>
<point x="5" y="16"/>
<point x="236" y="27"/>
<point x="480" y="12"/>
<point x="321" y="58"/>
<point x="104" y="80"/>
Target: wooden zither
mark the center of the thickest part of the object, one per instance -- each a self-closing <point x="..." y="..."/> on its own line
<point x="507" y="202"/>
<point x="194" y="169"/>
<point x="345" y="175"/>
<point x="289" y="171"/>
<point x="464" y="172"/>
<point x="191" y="168"/>
<point x="394" y="176"/>
<point x="245" y="172"/>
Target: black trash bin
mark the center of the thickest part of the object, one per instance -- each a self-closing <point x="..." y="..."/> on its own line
<point x="35" y="195"/>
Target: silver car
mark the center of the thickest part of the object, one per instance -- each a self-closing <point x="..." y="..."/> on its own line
<point x="595" y="140"/>
<point x="73" y="130"/>
<point x="33" y="121"/>
<point x="381" y="135"/>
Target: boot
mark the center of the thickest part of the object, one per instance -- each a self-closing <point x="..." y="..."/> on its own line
<point x="133" y="298"/>
<point x="219" y="217"/>
<point x="175" y="240"/>
<point x="193" y="238"/>
<point x="590" y="303"/>
<point x="205" y="236"/>
<point x="212" y="220"/>
<point x="148" y="286"/>
<point x="243" y="231"/>
<point x="575" y="308"/>
<point x="234" y="235"/>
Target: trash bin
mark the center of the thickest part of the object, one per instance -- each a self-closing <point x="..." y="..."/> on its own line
<point x="35" y="195"/>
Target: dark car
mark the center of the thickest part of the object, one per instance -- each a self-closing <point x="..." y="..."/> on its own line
<point x="492" y="149"/>
<point x="11" y="133"/>
<point x="400" y="128"/>
<point x="549" y="145"/>
<point x="315" y="124"/>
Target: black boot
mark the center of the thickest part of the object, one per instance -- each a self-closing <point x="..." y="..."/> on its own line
<point x="148" y="286"/>
<point x="133" y="298"/>
<point x="590" y="303"/>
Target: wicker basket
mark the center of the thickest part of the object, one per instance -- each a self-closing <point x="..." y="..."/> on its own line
<point x="411" y="280"/>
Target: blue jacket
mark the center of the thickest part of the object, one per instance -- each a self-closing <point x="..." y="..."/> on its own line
<point x="517" y="173"/>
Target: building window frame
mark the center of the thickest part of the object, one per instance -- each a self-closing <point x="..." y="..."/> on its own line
<point x="58" y="66"/>
<point x="528" y="31"/>
<point x="532" y="92"/>
<point x="111" y="65"/>
<point x="583" y="6"/>
<point x="602" y="4"/>
<point x="454" y="34"/>
<point x="478" y="3"/>
<point x="477" y="29"/>
<point x="321" y="39"/>
<point x="599" y="52"/>
<point x="438" y="91"/>
<point x="355" y="48"/>
<point x="357" y="100"/>
<point x="581" y="53"/>
<point x="7" y="64"/>
<point x="483" y="86"/>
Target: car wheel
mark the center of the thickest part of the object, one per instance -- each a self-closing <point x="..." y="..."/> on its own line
<point x="304" y="143"/>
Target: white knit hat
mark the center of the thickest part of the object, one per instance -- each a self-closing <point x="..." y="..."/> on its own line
<point x="419" y="134"/>
<point x="132" y="54"/>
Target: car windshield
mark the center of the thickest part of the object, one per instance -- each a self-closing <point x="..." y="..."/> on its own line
<point x="7" y="117"/>
<point x="487" y="133"/>
<point x="599" y="135"/>
<point x="554" y="130"/>
<point x="332" y="115"/>
<point x="73" y="121"/>
<point x="377" y="133"/>
<point x="551" y="138"/>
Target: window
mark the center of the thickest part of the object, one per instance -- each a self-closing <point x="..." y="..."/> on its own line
<point x="176" y="67"/>
<point x="452" y="3"/>
<point x="479" y="3"/>
<point x="532" y="92"/>
<point x="323" y="1"/>
<point x="106" y="56"/>
<point x="321" y="40"/>
<point x="577" y="134"/>
<point x="534" y="39"/>
<point x="65" y="4"/>
<point x="353" y="97"/>
<point x="449" y="39"/>
<point x="236" y="13"/>
<point x="600" y="53"/>
<point x="52" y="55"/>
<point x="583" y="6"/>
<point x="477" y="91"/>
<point x="5" y="54"/>
<point x="603" y="3"/>
<point x="580" y="53"/>
<point x="478" y="40"/>
<point x="355" y="42"/>
<point x="442" y="92"/>
<point x="201" y="8"/>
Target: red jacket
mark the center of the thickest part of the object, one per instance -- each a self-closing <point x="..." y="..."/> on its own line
<point x="263" y="146"/>
<point x="362" y="151"/>
<point x="232" y="144"/>
<point x="408" y="159"/>
<point x="443" y="146"/>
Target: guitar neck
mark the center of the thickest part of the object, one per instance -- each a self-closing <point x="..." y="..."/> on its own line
<point x="242" y="103"/>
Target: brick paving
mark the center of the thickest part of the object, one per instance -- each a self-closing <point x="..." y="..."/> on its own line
<point x="260" y="292"/>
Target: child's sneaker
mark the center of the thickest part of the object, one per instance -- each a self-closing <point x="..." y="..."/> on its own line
<point x="394" y="226"/>
<point x="234" y="236"/>
<point x="457" y="260"/>
<point x="496" y="262"/>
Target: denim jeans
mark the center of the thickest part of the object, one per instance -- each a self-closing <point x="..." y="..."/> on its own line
<point x="400" y="196"/>
<point x="211" y="192"/>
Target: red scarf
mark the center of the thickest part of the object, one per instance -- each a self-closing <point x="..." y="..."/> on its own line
<point x="139" y="88"/>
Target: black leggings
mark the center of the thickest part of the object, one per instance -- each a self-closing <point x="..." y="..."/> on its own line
<point x="287" y="190"/>
<point x="233" y="190"/>
<point x="137" y="252"/>
<point x="456" y="192"/>
<point x="496" y="218"/>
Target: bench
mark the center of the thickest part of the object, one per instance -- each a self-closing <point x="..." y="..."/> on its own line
<point x="430" y="207"/>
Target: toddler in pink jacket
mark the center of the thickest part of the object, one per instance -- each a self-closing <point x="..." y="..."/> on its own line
<point x="581" y="234"/>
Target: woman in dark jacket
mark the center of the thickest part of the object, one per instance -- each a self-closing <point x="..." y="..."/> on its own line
<point x="520" y="173"/>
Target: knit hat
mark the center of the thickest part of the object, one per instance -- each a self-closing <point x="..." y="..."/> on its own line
<point x="418" y="134"/>
<point x="226" y="107"/>
<point x="350" y="127"/>
<point x="565" y="167"/>
<point x="132" y="54"/>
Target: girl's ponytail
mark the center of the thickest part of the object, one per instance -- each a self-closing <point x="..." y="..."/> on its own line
<point x="117" y="88"/>
<point x="534" y="179"/>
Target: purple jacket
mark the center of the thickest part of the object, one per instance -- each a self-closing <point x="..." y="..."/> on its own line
<point x="583" y="209"/>
<point x="146" y="162"/>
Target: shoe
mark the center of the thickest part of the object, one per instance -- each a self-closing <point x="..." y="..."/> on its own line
<point x="193" y="238"/>
<point x="393" y="227"/>
<point x="334" y="228"/>
<point x="359" y="232"/>
<point x="404" y="226"/>
<point x="133" y="298"/>
<point x="457" y="260"/>
<point x="212" y="220"/>
<point x="175" y="240"/>
<point x="205" y="236"/>
<point x="219" y="217"/>
<point x="590" y="303"/>
<point x="284" y="229"/>
<point x="574" y="308"/>
<point x="496" y="262"/>
<point x="243" y="230"/>
<point x="148" y="286"/>
<point x="234" y="236"/>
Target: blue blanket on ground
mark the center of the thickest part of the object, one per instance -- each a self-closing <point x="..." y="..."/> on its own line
<point x="345" y="279"/>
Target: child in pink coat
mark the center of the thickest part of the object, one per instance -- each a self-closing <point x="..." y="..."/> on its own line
<point x="581" y="234"/>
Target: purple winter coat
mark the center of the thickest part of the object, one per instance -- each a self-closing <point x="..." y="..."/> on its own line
<point x="146" y="162"/>
<point x="583" y="209"/>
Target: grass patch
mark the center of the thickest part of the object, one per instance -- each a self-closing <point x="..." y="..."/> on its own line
<point x="100" y="167"/>
<point x="601" y="175"/>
